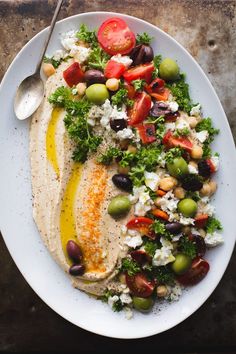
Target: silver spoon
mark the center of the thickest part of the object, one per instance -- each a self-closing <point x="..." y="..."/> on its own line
<point x="30" y="92"/>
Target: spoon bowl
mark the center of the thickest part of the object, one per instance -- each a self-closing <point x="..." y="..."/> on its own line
<point x="28" y="97"/>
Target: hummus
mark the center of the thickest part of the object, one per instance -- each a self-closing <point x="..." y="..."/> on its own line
<point x="70" y="200"/>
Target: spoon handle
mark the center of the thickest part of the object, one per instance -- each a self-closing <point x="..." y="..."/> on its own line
<point x="52" y="25"/>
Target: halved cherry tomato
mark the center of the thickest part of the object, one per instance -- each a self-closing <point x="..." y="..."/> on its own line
<point x="155" y="86"/>
<point x="170" y="141"/>
<point x="161" y="193"/>
<point x="140" y="109"/>
<point x="140" y="223"/>
<point x="73" y="75"/>
<point x="143" y="71"/>
<point x="130" y="89"/>
<point x="201" y="220"/>
<point x="196" y="272"/>
<point x="139" y="285"/>
<point x="115" y="37"/>
<point x="113" y="69"/>
<point x="162" y="95"/>
<point x="211" y="165"/>
<point x="140" y="256"/>
<point x="147" y="133"/>
<point x="160" y="214"/>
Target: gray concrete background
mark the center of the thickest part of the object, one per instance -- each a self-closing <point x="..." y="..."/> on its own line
<point x="206" y="28"/>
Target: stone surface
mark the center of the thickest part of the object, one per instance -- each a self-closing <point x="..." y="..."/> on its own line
<point x="207" y="30"/>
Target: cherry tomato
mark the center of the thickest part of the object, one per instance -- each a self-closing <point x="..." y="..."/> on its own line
<point x="140" y="256"/>
<point x="73" y="75"/>
<point x="147" y="133"/>
<point x="142" y="224"/>
<point x="211" y="165"/>
<point x="196" y="272"/>
<point x="170" y="141"/>
<point x="113" y="69"/>
<point x="143" y="71"/>
<point x="140" y="109"/>
<point x="139" y="285"/>
<point x="115" y="37"/>
<point x="130" y="89"/>
<point x="200" y="221"/>
<point x="155" y="86"/>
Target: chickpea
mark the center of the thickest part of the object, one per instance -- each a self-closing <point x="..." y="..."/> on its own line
<point x="48" y="69"/>
<point x="112" y="84"/>
<point x="192" y="122"/>
<point x="83" y="44"/>
<point x="168" y="183"/>
<point x="186" y="230"/>
<point x="202" y="233"/>
<point x="179" y="193"/>
<point x="81" y="88"/>
<point x="124" y="144"/>
<point x="157" y="201"/>
<point x="206" y="190"/>
<point x="196" y="152"/>
<point x="132" y="149"/>
<point x="122" y="278"/>
<point x="162" y="291"/>
<point x="124" y="170"/>
<point x="193" y="163"/>
<point x="213" y="186"/>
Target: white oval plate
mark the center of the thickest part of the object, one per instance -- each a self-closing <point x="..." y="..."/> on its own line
<point x="21" y="235"/>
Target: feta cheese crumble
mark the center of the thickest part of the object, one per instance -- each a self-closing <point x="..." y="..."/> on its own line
<point x="69" y="42"/>
<point x="163" y="255"/>
<point x="181" y="124"/>
<point x="202" y="136"/>
<point x="170" y="126"/>
<point x="195" y="111"/>
<point x="174" y="292"/>
<point x="125" y="299"/>
<point x="169" y="203"/>
<point x="213" y="240"/>
<point x="186" y="221"/>
<point x="151" y="180"/>
<point x="126" y="133"/>
<point x="215" y="160"/>
<point x="192" y="169"/>
<point x="112" y="300"/>
<point x="141" y="199"/>
<point x="173" y="106"/>
<point x="123" y="59"/>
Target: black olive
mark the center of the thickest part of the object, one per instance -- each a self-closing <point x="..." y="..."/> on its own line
<point x="118" y="124"/>
<point x="160" y="109"/>
<point x="174" y="227"/>
<point x="93" y="76"/>
<point x="122" y="182"/>
<point x="204" y="169"/>
<point x="142" y="54"/>
<point x="77" y="269"/>
<point x="200" y="244"/>
<point x="191" y="182"/>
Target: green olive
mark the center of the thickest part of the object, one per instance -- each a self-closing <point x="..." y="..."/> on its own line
<point x="143" y="304"/>
<point x="97" y="93"/>
<point x="168" y="70"/>
<point x="178" y="167"/>
<point x="187" y="207"/>
<point x="181" y="264"/>
<point x="119" y="206"/>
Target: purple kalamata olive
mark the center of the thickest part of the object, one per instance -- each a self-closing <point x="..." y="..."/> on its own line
<point x="199" y="243"/>
<point x="174" y="227"/>
<point x="74" y="251"/>
<point x="122" y="182"/>
<point x="94" y="76"/>
<point x="160" y="109"/>
<point x="142" y="54"/>
<point x="77" y="269"/>
<point x="140" y="256"/>
<point x="118" y="124"/>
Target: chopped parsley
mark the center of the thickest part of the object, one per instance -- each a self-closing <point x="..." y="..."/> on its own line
<point x="87" y="36"/>
<point x="109" y="155"/>
<point x="138" y="84"/>
<point x="150" y="247"/>
<point x="212" y="225"/>
<point x="53" y="61"/>
<point x="117" y="305"/>
<point x="159" y="228"/>
<point x="60" y="97"/>
<point x="206" y="124"/>
<point x="180" y="90"/>
<point x="172" y="154"/>
<point x="143" y="38"/>
<point x="187" y="247"/>
<point x="181" y="132"/>
<point x="129" y="266"/>
<point x="121" y="97"/>
<point x="164" y="275"/>
<point x="193" y="195"/>
<point x="156" y="61"/>
<point x="98" y="58"/>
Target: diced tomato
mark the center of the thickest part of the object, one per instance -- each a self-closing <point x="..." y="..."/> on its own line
<point x="140" y="223"/>
<point x="201" y="220"/>
<point x="196" y="272"/>
<point x="162" y="95"/>
<point x="170" y="141"/>
<point x="115" y="36"/>
<point x="160" y="214"/>
<point x="139" y="285"/>
<point x="140" y="109"/>
<point x="130" y="89"/>
<point x="113" y="69"/>
<point x="73" y="75"/>
<point x="161" y="193"/>
<point x="211" y="165"/>
<point x="140" y="256"/>
<point x="155" y="86"/>
<point x="147" y="133"/>
<point x="143" y="71"/>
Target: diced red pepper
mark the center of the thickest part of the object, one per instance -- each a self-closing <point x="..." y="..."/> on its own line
<point x="130" y="89"/>
<point x="143" y="71"/>
<point x="113" y="69"/>
<point x="147" y="133"/>
<point x="73" y="75"/>
<point x="140" y="109"/>
<point x="162" y="95"/>
<point x="155" y="86"/>
<point x="170" y="141"/>
<point x="201" y="220"/>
